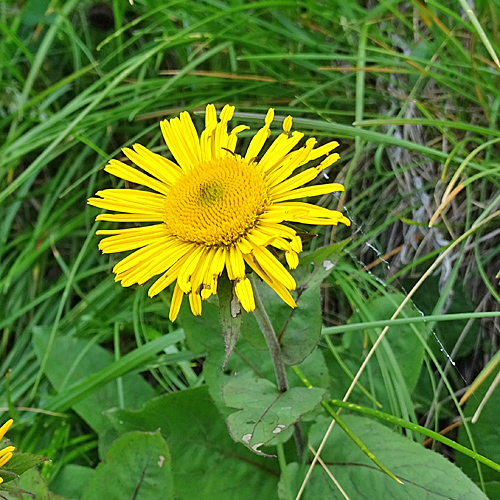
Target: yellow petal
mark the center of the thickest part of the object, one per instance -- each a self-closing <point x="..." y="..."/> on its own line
<point x="276" y="154"/>
<point x="258" y="140"/>
<point x="195" y="303"/>
<point x="308" y="191"/>
<point x="130" y="217"/>
<point x="130" y="239"/>
<point x="175" y="305"/>
<point x="282" y="292"/>
<point x="5" y="459"/>
<point x="158" y="166"/>
<point x="187" y="269"/>
<point x="123" y="171"/>
<point x="287" y="124"/>
<point x="5" y="427"/>
<point x="169" y="277"/>
<point x="176" y="144"/>
<point x="273" y="267"/>
<point x="292" y="259"/>
<point x="191" y="135"/>
<point x="244" y="293"/>
<point x="235" y="264"/>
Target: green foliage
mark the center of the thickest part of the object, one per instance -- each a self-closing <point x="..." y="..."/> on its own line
<point x="30" y="486"/>
<point x="198" y="440"/>
<point x="19" y="464"/>
<point x="392" y="378"/>
<point x="263" y="412"/>
<point x="137" y="464"/>
<point x="72" y="481"/>
<point x="425" y="474"/>
<point x="72" y="360"/>
<point x="484" y="432"/>
<point x="410" y="90"/>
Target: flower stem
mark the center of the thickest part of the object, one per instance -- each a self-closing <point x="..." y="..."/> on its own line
<point x="267" y="330"/>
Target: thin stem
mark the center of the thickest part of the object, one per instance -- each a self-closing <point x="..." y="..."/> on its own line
<point x="267" y="330"/>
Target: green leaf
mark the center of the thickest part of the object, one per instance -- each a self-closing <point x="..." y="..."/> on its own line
<point x="29" y="486"/>
<point x="265" y="412"/>
<point x="137" y="465"/>
<point x="485" y="432"/>
<point x="207" y="464"/>
<point x="299" y="329"/>
<point x="203" y="333"/>
<point x="19" y="464"/>
<point x="72" y="360"/>
<point x="493" y="490"/>
<point x="426" y="475"/>
<point x="229" y="314"/>
<point x="247" y="358"/>
<point x="71" y="481"/>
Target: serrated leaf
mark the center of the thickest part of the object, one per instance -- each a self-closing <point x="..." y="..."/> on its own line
<point x="264" y="413"/>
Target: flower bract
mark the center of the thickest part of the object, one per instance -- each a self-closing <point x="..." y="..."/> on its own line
<point x="214" y="209"/>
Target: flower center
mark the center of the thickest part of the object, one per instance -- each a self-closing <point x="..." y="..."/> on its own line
<point x="217" y="202"/>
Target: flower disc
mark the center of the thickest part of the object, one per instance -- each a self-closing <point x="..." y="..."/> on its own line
<point x="217" y="202"/>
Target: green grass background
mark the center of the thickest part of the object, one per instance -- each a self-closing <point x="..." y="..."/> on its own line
<point x="409" y="89"/>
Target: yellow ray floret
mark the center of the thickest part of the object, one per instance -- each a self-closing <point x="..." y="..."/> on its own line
<point x="214" y="209"/>
<point x="5" y="453"/>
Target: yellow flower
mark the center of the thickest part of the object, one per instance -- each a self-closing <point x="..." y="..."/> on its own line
<point x="214" y="209"/>
<point x="5" y="453"/>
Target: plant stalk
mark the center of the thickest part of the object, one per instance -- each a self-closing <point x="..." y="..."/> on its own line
<point x="273" y="345"/>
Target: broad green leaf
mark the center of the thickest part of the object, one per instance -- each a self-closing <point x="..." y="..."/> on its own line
<point x="19" y="464"/>
<point x="203" y="333"/>
<point x="299" y="329"/>
<point x="264" y="412"/>
<point x="485" y="432"/>
<point x="207" y="464"/>
<point x="71" y="481"/>
<point x="246" y="359"/>
<point x="72" y="360"/>
<point x="303" y="327"/>
<point x="426" y="475"/>
<point x="137" y="465"/>
<point x="493" y="490"/>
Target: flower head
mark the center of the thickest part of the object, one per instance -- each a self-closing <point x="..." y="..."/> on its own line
<point x="5" y="453"/>
<point x="214" y="209"/>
